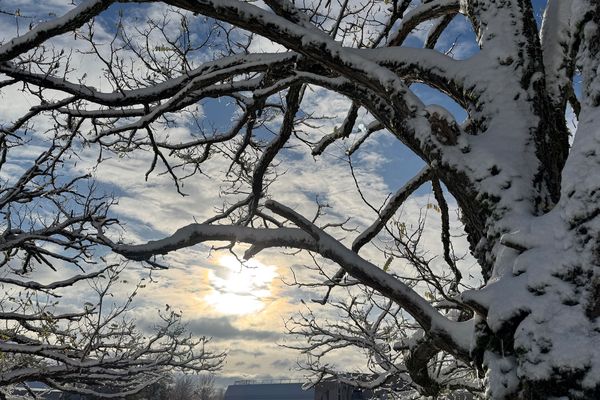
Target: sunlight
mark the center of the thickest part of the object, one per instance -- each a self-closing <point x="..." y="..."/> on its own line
<point x="240" y="289"/>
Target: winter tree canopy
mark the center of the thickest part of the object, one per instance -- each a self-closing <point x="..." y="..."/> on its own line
<point x="527" y="188"/>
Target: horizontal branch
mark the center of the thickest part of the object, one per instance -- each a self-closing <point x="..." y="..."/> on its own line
<point x="310" y="237"/>
<point x="193" y="234"/>
<point x="53" y="285"/>
<point x="44" y="316"/>
<point x="236" y="64"/>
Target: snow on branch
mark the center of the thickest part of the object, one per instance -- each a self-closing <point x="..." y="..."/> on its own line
<point x="306" y="41"/>
<point x="42" y="32"/>
<point x="510" y="168"/>
<point x="424" y="12"/>
<point x="207" y="73"/>
<point x="34" y="285"/>
<point x="560" y="37"/>
<point x="310" y="237"/>
<point x="440" y="328"/>
<point x="425" y="65"/>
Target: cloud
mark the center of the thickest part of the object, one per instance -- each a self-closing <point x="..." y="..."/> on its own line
<point x="253" y="353"/>
<point x="222" y="329"/>
<point x="281" y="364"/>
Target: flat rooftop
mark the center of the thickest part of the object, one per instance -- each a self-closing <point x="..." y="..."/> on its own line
<point x="268" y="390"/>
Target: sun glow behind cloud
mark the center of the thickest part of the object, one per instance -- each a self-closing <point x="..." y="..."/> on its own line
<point x="240" y="289"/>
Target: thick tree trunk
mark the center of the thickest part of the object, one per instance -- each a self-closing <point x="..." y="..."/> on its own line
<point x="541" y="335"/>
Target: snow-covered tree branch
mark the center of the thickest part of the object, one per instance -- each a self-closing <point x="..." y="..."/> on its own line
<point x="526" y="190"/>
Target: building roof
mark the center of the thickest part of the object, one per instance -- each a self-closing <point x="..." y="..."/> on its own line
<point x="269" y="391"/>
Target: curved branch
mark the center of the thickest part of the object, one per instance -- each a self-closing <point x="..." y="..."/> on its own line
<point x="311" y="43"/>
<point x="54" y="285"/>
<point x="439" y="197"/>
<point x="427" y="11"/>
<point x="426" y="65"/>
<point x="338" y="133"/>
<point x="391" y="207"/>
<point x="293" y="99"/>
<point x="437" y="30"/>
<point x="42" y="32"/>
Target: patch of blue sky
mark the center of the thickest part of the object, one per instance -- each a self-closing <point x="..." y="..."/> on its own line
<point x="205" y="39"/>
<point x="401" y="164"/>
<point x="458" y="39"/>
<point x="577" y="83"/>
<point x="431" y="96"/>
<point x="221" y="111"/>
<point x="23" y="13"/>
<point x="538" y="10"/>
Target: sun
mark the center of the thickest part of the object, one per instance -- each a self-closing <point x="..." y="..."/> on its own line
<point x="240" y="289"/>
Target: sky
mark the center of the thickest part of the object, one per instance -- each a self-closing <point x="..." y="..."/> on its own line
<point x="244" y="308"/>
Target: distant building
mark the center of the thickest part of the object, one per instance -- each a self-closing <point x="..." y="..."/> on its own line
<point x="332" y="390"/>
<point x="249" y="390"/>
<point x="285" y="390"/>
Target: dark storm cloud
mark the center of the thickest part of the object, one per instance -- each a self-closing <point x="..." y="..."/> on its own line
<point x="253" y="353"/>
<point x="221" y="328"/>
<point x="281" y="363"/>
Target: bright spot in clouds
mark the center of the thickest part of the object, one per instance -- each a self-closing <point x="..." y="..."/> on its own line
<point x="240" y="289"/>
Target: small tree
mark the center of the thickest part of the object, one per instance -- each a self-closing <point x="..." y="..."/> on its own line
<point x="184" y="388"/>
<point x="206" y="388"/>
<point x="194" y="387"/>
<point x="157" y="391"/>
<point x="97" y="351"/>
